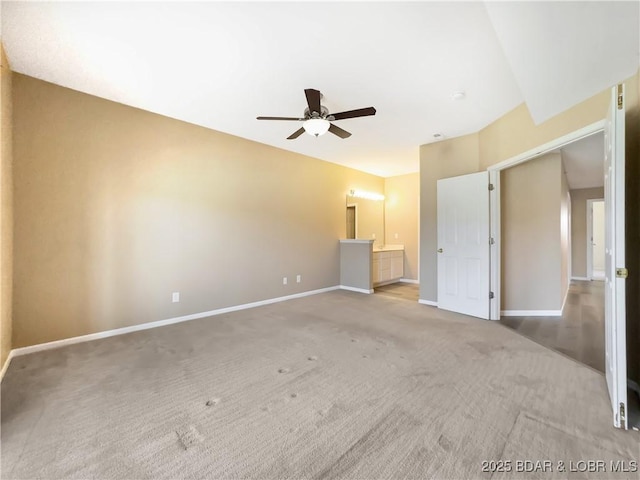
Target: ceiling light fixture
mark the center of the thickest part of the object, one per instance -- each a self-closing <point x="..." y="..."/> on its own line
<point x="458" y="95"/>
<point x="316" y="126"/>
<point x="367" y="195"/>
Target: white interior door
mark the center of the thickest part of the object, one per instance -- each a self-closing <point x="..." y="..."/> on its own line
<point x="615" y="272"/>
<point x="597" y="240"/>
<point x="463" y="244"/>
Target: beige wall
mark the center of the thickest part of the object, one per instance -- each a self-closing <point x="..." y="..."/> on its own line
<point x="510" y="135"/>
<point x="116" y="208"/>
<point x="402" y="218"/>
<point x="579" y="199"/>
<point x="515" y="132"/>
<point x="531" y="233"/>
<point x="6" y="212"/>
<point x="447" y="158"/>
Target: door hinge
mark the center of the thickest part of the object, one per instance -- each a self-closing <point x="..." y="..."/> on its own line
<point x="622" y="272"/>
<point x="491" y="295"/>
<point x="622" y="413"/>
<point x="491" y="187"/>
<point x="491" y="241"/>
<point x="620" y="96"/>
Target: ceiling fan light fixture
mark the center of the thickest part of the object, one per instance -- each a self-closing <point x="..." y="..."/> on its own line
<point x="316" y="126"/>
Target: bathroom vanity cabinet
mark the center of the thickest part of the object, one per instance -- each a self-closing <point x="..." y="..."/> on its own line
<point x="387" y="265"/>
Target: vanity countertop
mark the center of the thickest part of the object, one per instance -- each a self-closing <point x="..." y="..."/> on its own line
<point x="387" y="248"/>
<point x="356" y="240"/>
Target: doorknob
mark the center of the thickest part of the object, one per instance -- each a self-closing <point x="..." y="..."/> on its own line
<point x="440" y="250"/>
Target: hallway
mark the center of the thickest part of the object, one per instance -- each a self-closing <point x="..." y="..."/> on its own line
<point x="579" y="333"/>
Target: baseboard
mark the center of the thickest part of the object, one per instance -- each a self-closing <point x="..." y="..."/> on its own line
<point x="428" y="302"/>
<point x="409" y="280"/>
<point x="388" y="282"/>
<point x="354" y="289"/>
<point x="566" y="294"/>
<point x="581" y="278"/>
<point x="6" y="364"/>
<point x="531" y="313"/>
<point x="159" y="323"/>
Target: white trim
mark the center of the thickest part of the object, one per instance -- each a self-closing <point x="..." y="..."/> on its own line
<point x="6" y="364"/>
<point x="409" y="280"/>
<point x="428" y="302"/>
<point x="354" y="289"/>
<point x="549" y="146"/>
<point x="160" y="323"/>
<point x="494" y="249"/>
<point x="585" y="279"/>
<point x="589" y="245"/>
<point x="531" y="313"/>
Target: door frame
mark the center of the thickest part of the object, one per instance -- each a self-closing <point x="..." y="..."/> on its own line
<point x="494" y="219"/>
<point x="355" y="217"/>
<point x="590" y="236"/>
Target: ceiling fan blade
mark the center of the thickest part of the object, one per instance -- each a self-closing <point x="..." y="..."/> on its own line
<point x="280" y="118"/>
<point x="361" y="112"/>
<point x="296" y="134"/>
<point x="338" y="131"/>
<point x="313" y="100"/>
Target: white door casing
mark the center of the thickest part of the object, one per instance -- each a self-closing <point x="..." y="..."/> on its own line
<point x="615" y="289"/>
<point x="463" y="244"/>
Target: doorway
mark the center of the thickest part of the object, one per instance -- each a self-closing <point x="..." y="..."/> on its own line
<point x="615" y="272"/>
<point x="595" y="239"/>
<point x="352" y="229"/>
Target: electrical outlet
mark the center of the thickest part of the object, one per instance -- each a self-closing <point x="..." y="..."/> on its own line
<point x="373" y="235"/>
<point x="396" y="235"/>
<point x="299" y="278"/>
<point x="175" y="297"/>
<point x="284" y="280"/>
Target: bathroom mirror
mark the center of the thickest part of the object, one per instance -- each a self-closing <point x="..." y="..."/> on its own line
<point x="365" y="219"/>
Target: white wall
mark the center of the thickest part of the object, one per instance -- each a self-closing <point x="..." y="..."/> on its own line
<point x="579" y="228"/>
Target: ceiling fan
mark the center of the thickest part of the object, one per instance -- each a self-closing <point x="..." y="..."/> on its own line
<point x="317" y="119"/>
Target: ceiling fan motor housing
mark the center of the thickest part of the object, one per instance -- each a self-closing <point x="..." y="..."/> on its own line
<point x="322" y="114"/>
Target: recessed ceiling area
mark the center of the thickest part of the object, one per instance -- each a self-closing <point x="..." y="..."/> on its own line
<point x="222" y="64"/>
<point x="583" y="162"/>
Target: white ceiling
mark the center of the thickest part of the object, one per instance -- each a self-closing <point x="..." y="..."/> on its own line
<point x="564" y="52"/>
<point x="583" y="162"/>
<point x="221" y="64"/>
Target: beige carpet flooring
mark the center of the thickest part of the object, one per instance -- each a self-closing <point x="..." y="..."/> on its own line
<point x="337" y="385"/>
